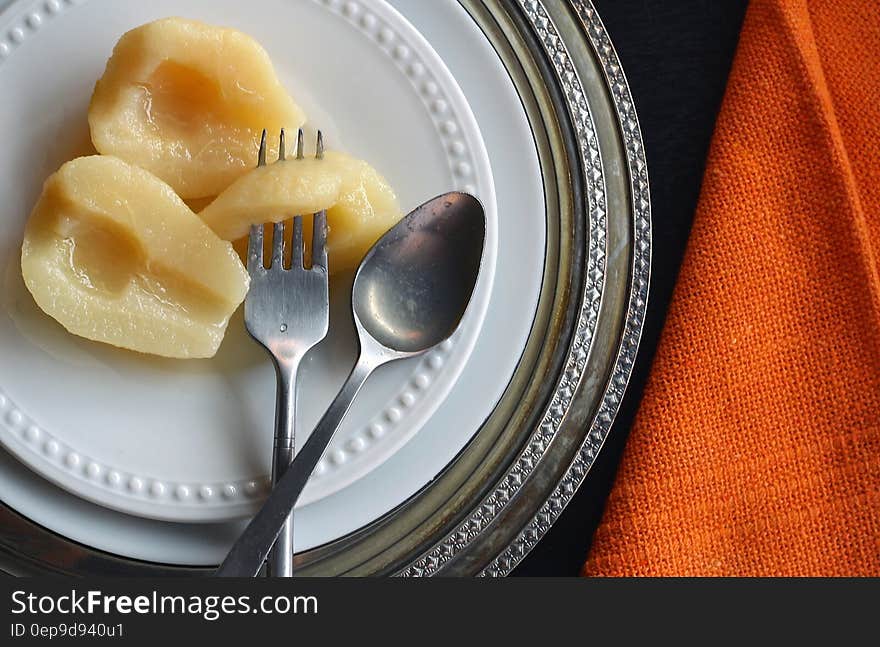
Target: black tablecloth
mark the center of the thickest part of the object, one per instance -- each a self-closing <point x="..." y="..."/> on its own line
<point x="676" y="54"/>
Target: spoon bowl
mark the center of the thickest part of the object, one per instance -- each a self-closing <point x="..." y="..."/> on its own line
<point x="414" y="285"/>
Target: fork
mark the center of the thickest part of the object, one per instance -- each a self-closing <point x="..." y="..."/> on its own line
<point x="287" y="312"/>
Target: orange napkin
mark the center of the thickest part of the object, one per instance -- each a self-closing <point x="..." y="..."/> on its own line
<point x="756" y="450"/>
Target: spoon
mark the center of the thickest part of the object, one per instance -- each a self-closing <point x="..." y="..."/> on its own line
<point x="409" y="295"/>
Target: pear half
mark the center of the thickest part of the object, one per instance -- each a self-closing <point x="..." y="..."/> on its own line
<point x="114" y="255"/>
<point x="360" y="204"/>
<point x="187" y="101"/>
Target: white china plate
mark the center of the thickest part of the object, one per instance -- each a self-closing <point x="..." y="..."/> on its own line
<point x="497" y="346"/>
<point x="191" y="441"/>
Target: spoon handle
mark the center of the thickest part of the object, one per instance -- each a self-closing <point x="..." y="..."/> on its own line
<point x="250" y="550"/>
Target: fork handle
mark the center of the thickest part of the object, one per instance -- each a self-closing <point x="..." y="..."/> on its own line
<point x="280" y="562"/>
<point x="247" y="554"/>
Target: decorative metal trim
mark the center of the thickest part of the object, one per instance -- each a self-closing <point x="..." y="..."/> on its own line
<point x="579" y="110"/>
<point x="591" y="299"/>
<point x="638" y="301"/>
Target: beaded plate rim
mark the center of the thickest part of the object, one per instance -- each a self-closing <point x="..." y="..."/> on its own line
<point x="176" y="501"/>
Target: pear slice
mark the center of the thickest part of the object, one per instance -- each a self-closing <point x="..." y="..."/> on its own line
<point x="360" y="204"/>
<point x="114" y="255"/>
<point x="187" y="101"/>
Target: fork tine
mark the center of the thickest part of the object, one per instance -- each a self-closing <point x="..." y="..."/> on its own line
<point x="255" y="249"/>
<point x="296" y="253"/>
<point x="299" y="144"/>
<point x="319" y="240"/>
<point x="261" y="159"/>
<point x="278" y="246"/>
<point x="319" y="147"/>
<point x="281" y="152"/>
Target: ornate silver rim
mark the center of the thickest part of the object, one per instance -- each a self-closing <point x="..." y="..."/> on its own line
<point x="575" y="96"/>
<point x="638" y="300"/>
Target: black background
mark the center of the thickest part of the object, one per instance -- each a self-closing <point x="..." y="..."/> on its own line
<point x="676" y="54"/>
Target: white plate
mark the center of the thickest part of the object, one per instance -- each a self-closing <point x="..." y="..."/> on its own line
<point x="190" y="441"/>
<point x="521" y="234"/>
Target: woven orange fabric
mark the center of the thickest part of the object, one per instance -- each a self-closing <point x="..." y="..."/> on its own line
<point x="756" y="450"/>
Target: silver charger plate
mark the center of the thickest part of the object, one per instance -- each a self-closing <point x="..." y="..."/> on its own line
<point x="502" y="493"/>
